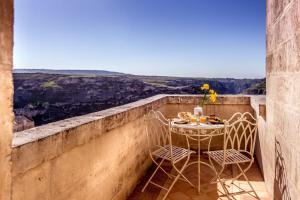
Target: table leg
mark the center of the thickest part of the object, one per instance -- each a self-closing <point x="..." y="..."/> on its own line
<point x="199" y="164"/>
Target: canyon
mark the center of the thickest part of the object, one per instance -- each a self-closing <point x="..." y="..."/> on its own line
<point x="46" y="96"/>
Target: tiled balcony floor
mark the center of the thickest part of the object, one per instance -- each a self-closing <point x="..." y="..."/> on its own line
<point x="183" y="191"/>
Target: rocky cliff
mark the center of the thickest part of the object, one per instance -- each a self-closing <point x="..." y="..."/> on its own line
<point x="50" y="97"/>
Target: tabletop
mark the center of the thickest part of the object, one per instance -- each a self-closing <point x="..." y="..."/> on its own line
<point x="196" y="125"/>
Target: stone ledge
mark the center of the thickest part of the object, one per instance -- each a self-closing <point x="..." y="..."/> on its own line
<point x="110" y="119"/>
<point x="222" y="99"/>
<point x="258" y="103"/>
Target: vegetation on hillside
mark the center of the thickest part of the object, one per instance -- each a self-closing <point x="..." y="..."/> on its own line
<point x="50" y="84"/>
<point x="50" y="97"/>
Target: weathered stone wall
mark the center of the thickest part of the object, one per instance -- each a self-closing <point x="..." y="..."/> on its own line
<point x="6" y="88"/>
<point x="283" y="93"/>
<point x="97" y="156"/>
<point x="258" y="103"/>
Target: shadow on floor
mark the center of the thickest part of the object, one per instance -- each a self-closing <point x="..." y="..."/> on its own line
<point x="183" y="191"/>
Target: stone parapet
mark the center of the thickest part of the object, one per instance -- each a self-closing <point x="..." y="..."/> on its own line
<point x="102" y="154"/>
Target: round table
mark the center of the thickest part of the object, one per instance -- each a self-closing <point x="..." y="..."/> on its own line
<point x="200" y="132"/>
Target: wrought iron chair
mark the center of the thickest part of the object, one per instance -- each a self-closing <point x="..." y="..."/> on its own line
<point x="161" y="150"/>
<point x="234" y="117"/>
<point x="239" y="144"/>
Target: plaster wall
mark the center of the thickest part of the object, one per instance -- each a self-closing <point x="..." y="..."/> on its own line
<point x="281" y="141"/>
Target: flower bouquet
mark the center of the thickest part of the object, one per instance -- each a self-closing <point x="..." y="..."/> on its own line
<point x="209" y="96"/>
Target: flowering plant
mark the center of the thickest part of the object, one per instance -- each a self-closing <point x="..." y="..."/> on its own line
<point x="209" y="94"/>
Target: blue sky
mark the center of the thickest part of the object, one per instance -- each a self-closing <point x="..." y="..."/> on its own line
<point x="196" y="38"/>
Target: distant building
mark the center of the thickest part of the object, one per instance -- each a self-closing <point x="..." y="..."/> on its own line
<point x="22" y="123"/>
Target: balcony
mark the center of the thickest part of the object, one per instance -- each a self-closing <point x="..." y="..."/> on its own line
<point x="104" y="155"/>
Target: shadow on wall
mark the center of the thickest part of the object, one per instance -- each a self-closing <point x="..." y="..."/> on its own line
<point x="281" y="189"/>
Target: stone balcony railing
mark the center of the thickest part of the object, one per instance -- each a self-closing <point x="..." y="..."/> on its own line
<point x="103" y="155"/>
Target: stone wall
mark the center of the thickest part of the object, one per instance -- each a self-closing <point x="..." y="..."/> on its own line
<point x="283" y="93"/>
<point x="101" y="155"/>
<point x="97" y="156"/>
<point x="6" y="114"/>
<point x="258" y="103"/>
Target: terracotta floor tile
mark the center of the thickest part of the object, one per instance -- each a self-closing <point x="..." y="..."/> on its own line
<point x="178" y="196"/>
<point x="209" y="191"/>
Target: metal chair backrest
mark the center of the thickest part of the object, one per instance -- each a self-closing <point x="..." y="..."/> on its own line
<point x="157" y="130"/>
<point x="241" y="134"/>
<point x="234" y="117"/>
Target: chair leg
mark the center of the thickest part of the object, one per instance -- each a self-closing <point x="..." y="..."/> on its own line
<point x="164" y="171"/>
<point x="245" y="170"/>
<point x="218" y="178"/>
<point x="244" y="175"/>
<point x="178" y="176"/>
<point x="189" y="182"/>
<point x="171" y="186"/>
<point x="180" y="172"/>
<point x="229" y="196"/>
<point x="158" y="166"/>
<point x="223" y="184"/>
<point x="214" y="179"/>
<point x="176" y="179"/>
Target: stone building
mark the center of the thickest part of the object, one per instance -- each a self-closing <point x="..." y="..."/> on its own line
<point x="73" y="158"/>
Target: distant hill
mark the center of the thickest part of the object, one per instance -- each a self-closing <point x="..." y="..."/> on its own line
<point x="50" y="95"/>
<point x="69" y="72"/>
<point x="258" y="88"/>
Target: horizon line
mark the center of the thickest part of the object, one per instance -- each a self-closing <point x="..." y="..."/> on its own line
<point x="105" y="70"/>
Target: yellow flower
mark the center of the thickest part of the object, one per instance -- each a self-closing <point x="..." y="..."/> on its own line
<point x="213" y="97"/>
<point x="205" y="87"/>
<point x="211" y="91"/>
